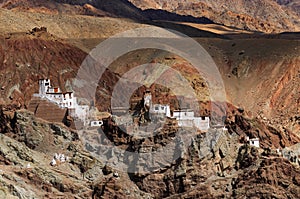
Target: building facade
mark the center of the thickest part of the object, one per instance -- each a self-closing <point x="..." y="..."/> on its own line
<point x="64" y="100"/>
<point x="55" y="95"/>
<point x="186" y="118"/>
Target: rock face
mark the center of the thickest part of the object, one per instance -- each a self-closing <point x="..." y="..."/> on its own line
<point x="27" y="147"/>
<point x="260" y="182"/>
<point x="254" y="128"/>
<point x="221" y="173"/>
<point x="216" y="164"/>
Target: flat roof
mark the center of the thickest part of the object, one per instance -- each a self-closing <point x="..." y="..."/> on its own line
<point x="184" y="110"/>
<point x="59" y="93"/>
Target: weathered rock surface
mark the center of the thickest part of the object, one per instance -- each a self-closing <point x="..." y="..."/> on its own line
<point x="216" y="164"/>
<point x="27" y="145"/>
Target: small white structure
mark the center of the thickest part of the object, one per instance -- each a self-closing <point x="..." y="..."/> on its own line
<point x="58" y="158"/>
<point x="279" y="151"/>
<point x="96" y="123"/>
<point x="148" y="98"/>
<point x="80" y="112"/>
<point x="53" y="162"/>
<point x="161" y="109"/>
<point x="186" y="118"/>
<point x="116" y="174"/>
<point x="62" y="158"/>
<point x="202" y="123"/>
<point x="253" y="142"/>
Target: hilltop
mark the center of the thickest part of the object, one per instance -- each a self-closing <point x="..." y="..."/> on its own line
<point x="263" y="16"/>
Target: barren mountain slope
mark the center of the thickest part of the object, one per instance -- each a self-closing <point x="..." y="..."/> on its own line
<point x="25" y="58"/>
<point x="52" y="7"/>
<point x="63" y="26"/>
<point x="261" y="76"/>
<point x="290" y="4"/>
<point x="265" y="16"/>
<point x="99" y="8"/>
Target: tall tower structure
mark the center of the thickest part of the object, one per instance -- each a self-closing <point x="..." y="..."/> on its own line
<point x="44" y="85"/>
<point x="148" y="99"/>
<point x="147" y="106"/>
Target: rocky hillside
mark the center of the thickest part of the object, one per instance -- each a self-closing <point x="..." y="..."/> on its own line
<point x="52" y="7"/>
<point x="28" y="145"/>
<point x="290" y="4"/>
<point x="40" y="39"/>
<point x="27" y="57"/>
<point x="265" y="16"/>
<point x="115" y="8"/>
<point x="246" y="69"/>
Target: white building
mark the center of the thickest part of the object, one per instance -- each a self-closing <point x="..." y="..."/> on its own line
<point x="186" y="118"/>
<point x="96" y="123"/>
<point x="63" y="100"/>
<point x="156" y="109"/>
<point x="183" y="114"/>
<point x="161" y="109"/>
<point x="148" y="99"/>
<point x="253" y="142"/>
<point x="202" y="123"/>
<point x="55" y="95"/>
<point x="44" y="84"/>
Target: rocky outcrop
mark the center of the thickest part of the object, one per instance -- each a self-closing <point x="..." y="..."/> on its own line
<point x="224" y="174"/>
<point x="27" y="145"/>
<point x="215" y="164"/>
<point x="254" y="128"/>
<point x="272" y="177"/>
